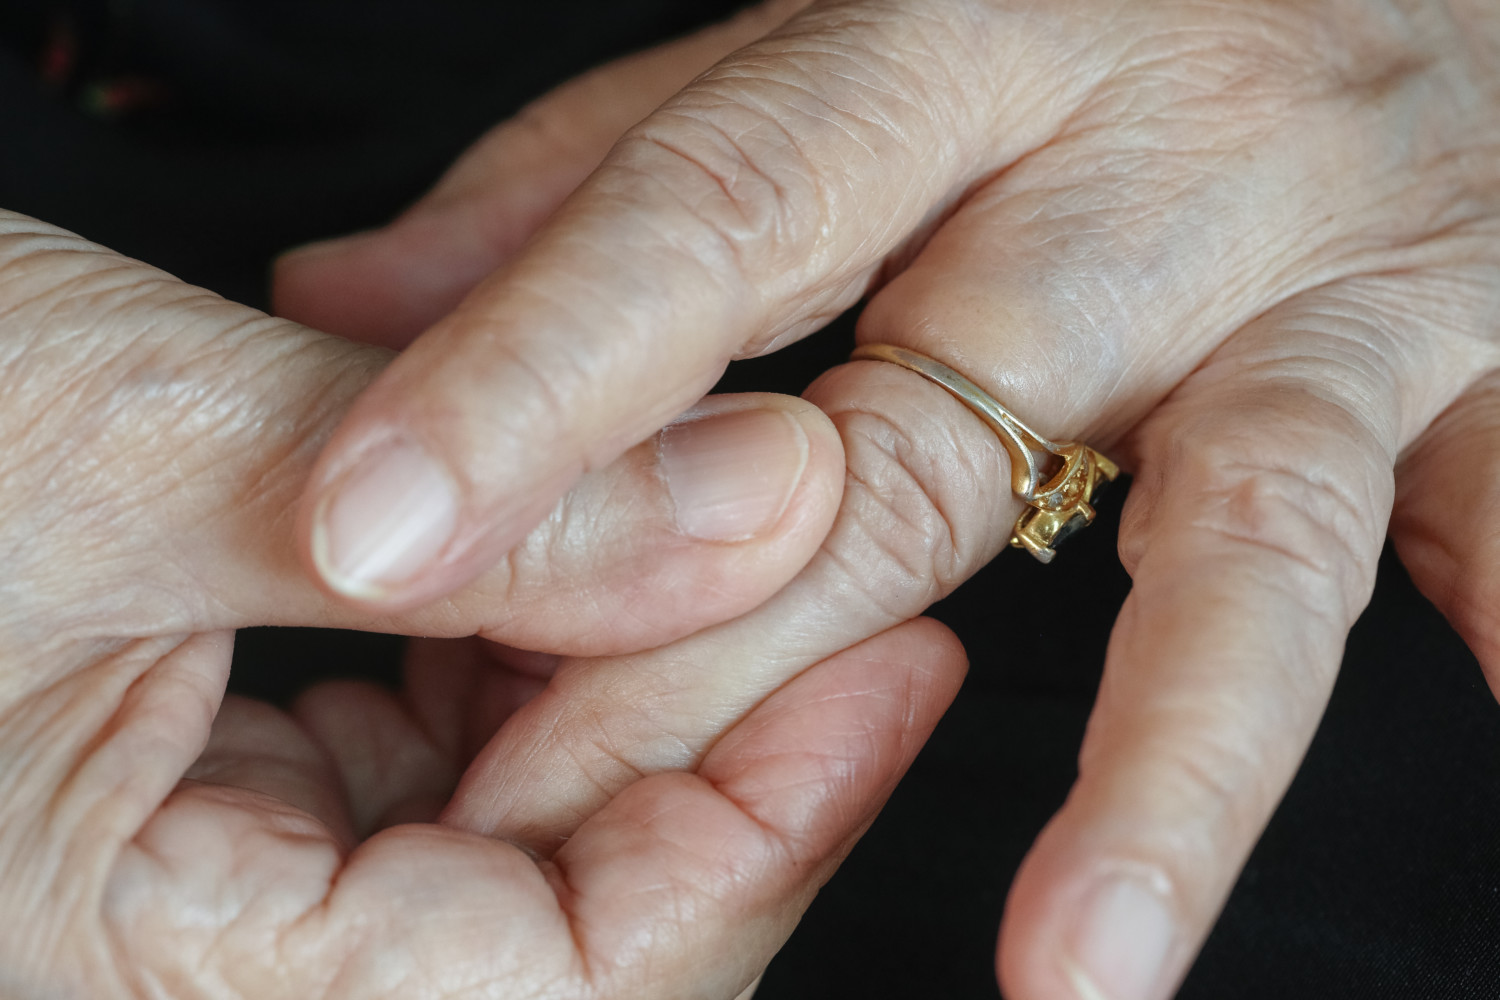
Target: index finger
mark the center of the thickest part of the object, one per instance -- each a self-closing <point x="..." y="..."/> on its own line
<point x="745" y="212"/>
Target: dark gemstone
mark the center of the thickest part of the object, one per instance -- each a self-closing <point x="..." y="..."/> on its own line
<point x="1072" y="526"/>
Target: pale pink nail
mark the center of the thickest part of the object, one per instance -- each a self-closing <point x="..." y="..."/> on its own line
<point x="1118" y="949"/>
<point x="386" y="519"/>
<point x="732" y="475"/>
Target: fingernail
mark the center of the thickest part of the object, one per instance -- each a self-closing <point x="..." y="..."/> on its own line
<point x="732" y="475"/>
<point x="1120" y="947"/>
<point x="391" y="515"/>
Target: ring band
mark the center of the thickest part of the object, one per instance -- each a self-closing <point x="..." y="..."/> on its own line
<point x="1058" y="490"/>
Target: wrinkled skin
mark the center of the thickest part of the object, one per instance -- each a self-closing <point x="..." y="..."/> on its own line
<point x="158" y="840"/>
<point x="1250" y="248"/>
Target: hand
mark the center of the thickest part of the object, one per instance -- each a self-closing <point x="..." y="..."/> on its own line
<point x="157" y="842"/>
<point x="1254" y="249"/>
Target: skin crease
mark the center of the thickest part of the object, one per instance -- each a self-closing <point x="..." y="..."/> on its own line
<point x="160" y="840"/>
<point x="1253" y="249"/>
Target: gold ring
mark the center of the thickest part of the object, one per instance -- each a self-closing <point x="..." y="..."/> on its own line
<point x="1058" y="489"/>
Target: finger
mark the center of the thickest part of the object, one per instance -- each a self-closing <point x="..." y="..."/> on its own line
<point x="1447" y="494"/>
<point x="699" y="524"/>
<point x="259" y="748"/>
<point x="92" y="750"/>
<point x="685" y="866"/>
<point x="384" y="286"/>
<point x="388" y="767"/>
<point x="722" y="862"/>
<point x="927" y="503"/>
<point x="171" y="439"/>
<point x="1253" y="531"/>
<point x="399" y="755"/>
<point x="747" y="211"/>
<point x="461" y="692"/>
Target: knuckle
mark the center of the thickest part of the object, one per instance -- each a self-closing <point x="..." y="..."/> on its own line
<point x="1301" y="506"/>
<point x="1312" y="528"/>
<point x="550" y="125"/>
<point x="1228" y="783"/>
<point x="621" y="733"/>
<point x="918" y="519"/>
<point x="745" y="152"/>
<point x="744" y="191"/>
<point x="1285" y="50"/>
<point x="1212" y="785"/>
<point x="1289" y="76"/>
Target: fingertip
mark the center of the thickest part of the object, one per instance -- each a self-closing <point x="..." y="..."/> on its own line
<point x="382" y="522"/>
<point x="940" y="649"/>
<point x="698" y="526"/>
<point x="387" y="525"/>
<point x="382" y="286"/>
<point x="1022" y="963"/>
<point x="327" y="285"/>
<point x="1028" y="962"/>
<point x="720" y="510"/>
<point x="1083" y="926"/>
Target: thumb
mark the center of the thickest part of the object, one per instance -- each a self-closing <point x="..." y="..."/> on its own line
<point x="156" y="439"/>
<point x="386" y="285"/>
<point x="749" y="209"/>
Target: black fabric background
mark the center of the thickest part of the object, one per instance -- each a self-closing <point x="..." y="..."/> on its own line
<point x="1379" y="876"/>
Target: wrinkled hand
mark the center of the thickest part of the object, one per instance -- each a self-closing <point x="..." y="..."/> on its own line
<point x="157" y="843"/>
<point x="1251" y="248"/>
